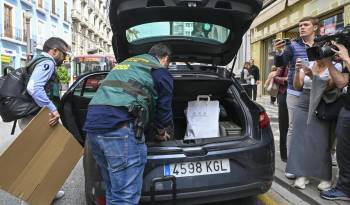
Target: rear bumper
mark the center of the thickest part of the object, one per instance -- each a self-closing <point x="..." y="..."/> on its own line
<point x="252" y="170"/>
<point x="212" y="195"/>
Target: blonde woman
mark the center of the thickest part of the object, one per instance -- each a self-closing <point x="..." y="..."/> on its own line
<point x="309" y="154"/>
<point x="269" y="80"/>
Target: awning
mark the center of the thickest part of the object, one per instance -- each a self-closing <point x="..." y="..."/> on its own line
<point x="269" y="12"/>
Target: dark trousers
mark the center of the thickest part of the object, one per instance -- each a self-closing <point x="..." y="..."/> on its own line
<point x="343" y="153"/>
<point x="248" y="90"/>
<point x="255" y="89"/>
<point x="283" y="123"/>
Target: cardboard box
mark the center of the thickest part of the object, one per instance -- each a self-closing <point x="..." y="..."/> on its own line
<point x="39" y="161"/>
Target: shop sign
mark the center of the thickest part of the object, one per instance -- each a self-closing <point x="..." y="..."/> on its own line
<point x="5" y="59"/>
<point x="8" y="52"/>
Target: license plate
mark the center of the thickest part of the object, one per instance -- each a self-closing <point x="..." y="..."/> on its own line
<point x="186" y="169"/>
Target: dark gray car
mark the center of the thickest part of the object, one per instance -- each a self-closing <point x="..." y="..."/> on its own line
<point x="204" y="35"/>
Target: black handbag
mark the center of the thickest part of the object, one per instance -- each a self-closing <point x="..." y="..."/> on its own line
<point x="329" y="111"/>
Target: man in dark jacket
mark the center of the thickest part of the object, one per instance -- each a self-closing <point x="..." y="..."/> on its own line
<point x="137" y="92"/>
<point x="255" y="72"/>
<point x="342" y="190"/>
<point x="281" y="79"/>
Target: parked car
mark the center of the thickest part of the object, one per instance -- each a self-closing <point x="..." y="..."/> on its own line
<point x="204" y="35"/>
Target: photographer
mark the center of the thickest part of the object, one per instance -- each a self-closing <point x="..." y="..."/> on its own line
<point x="286" y="54"/>
<point x="342" y="190"/>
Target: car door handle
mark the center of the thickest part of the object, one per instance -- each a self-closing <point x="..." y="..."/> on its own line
<point x="195" y="151"/>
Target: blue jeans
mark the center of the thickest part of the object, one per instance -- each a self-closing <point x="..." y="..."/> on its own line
<point x="121" y="159"/>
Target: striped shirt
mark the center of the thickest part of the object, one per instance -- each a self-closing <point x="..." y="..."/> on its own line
<point x="297" y="49"/>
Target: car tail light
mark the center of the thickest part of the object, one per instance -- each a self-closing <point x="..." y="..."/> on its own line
<point x="264" y="120"/>
<point x="101" y="200"/>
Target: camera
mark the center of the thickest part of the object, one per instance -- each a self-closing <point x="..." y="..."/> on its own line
<point x="323" y="48"/>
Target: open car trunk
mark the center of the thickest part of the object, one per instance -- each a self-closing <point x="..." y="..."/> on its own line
<point x="186" y="88"/>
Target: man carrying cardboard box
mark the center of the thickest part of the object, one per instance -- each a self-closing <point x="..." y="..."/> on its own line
<point x="43" y="85"/>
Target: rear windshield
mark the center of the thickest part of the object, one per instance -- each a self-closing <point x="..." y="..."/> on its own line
<point x="210" y="33"/>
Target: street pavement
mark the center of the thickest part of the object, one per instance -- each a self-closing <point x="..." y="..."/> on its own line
<point x="280" y="193"/>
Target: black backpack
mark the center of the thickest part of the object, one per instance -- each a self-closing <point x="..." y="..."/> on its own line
<point x="15" y="102"/>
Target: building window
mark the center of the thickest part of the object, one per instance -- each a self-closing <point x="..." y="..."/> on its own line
<point x="40" y="4"/>
<point x="41" y="31"/>
<point x="24" y="29"/>
<point x="8" y="21"/>
<point x="53" y="6"/>
<point x="331" y="24"/>
<point x="65" y="15"/>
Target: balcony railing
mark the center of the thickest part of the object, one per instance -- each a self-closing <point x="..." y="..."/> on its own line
<point x="28" y="2"/>
<point x="76" y="15"/>
<point x="91" y="4"/>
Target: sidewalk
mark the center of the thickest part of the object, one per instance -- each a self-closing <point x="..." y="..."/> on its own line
<point x="310" y="195"/>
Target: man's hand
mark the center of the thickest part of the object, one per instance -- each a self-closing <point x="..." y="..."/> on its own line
<point x="54" y="117"/>
<point x="279" y="45"/>
<point x="163" y="135"/>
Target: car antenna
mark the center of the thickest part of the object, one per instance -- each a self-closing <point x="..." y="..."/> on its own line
<point x="233" y="65"/>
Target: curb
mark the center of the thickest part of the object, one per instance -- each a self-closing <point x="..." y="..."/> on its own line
<point x="266" y="200"/>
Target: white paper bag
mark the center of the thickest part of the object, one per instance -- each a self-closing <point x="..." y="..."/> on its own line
<point x="202" y="118"/>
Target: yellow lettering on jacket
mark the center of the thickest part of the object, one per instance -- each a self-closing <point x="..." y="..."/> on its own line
<point x="137" y="60"/>
<point x="121" y="67"/>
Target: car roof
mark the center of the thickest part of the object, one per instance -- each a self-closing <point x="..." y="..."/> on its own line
<point x="235" y="15"/>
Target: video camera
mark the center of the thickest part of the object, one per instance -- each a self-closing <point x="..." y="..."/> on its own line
<point x="324" y="45"/>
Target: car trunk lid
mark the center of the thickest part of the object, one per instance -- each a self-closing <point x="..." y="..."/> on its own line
<point x="234" y="15"/>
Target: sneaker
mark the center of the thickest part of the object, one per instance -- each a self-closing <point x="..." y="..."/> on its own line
<point x="324" y="186"/>
<point x="334" y="160"/>
<point x="59" y="195"/>
<point x="289" y="175"/>
<point x="301" y="182"/>
<point x="335" y="194"/>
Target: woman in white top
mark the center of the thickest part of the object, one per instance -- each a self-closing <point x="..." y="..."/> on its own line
<point x="309" y="153"/>
<point x="247" y="78"/>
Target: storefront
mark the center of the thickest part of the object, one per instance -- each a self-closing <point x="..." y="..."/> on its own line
<point x="7" y="58"/>
<point x="283" y="23"/>
<point x="268" y="58"/>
